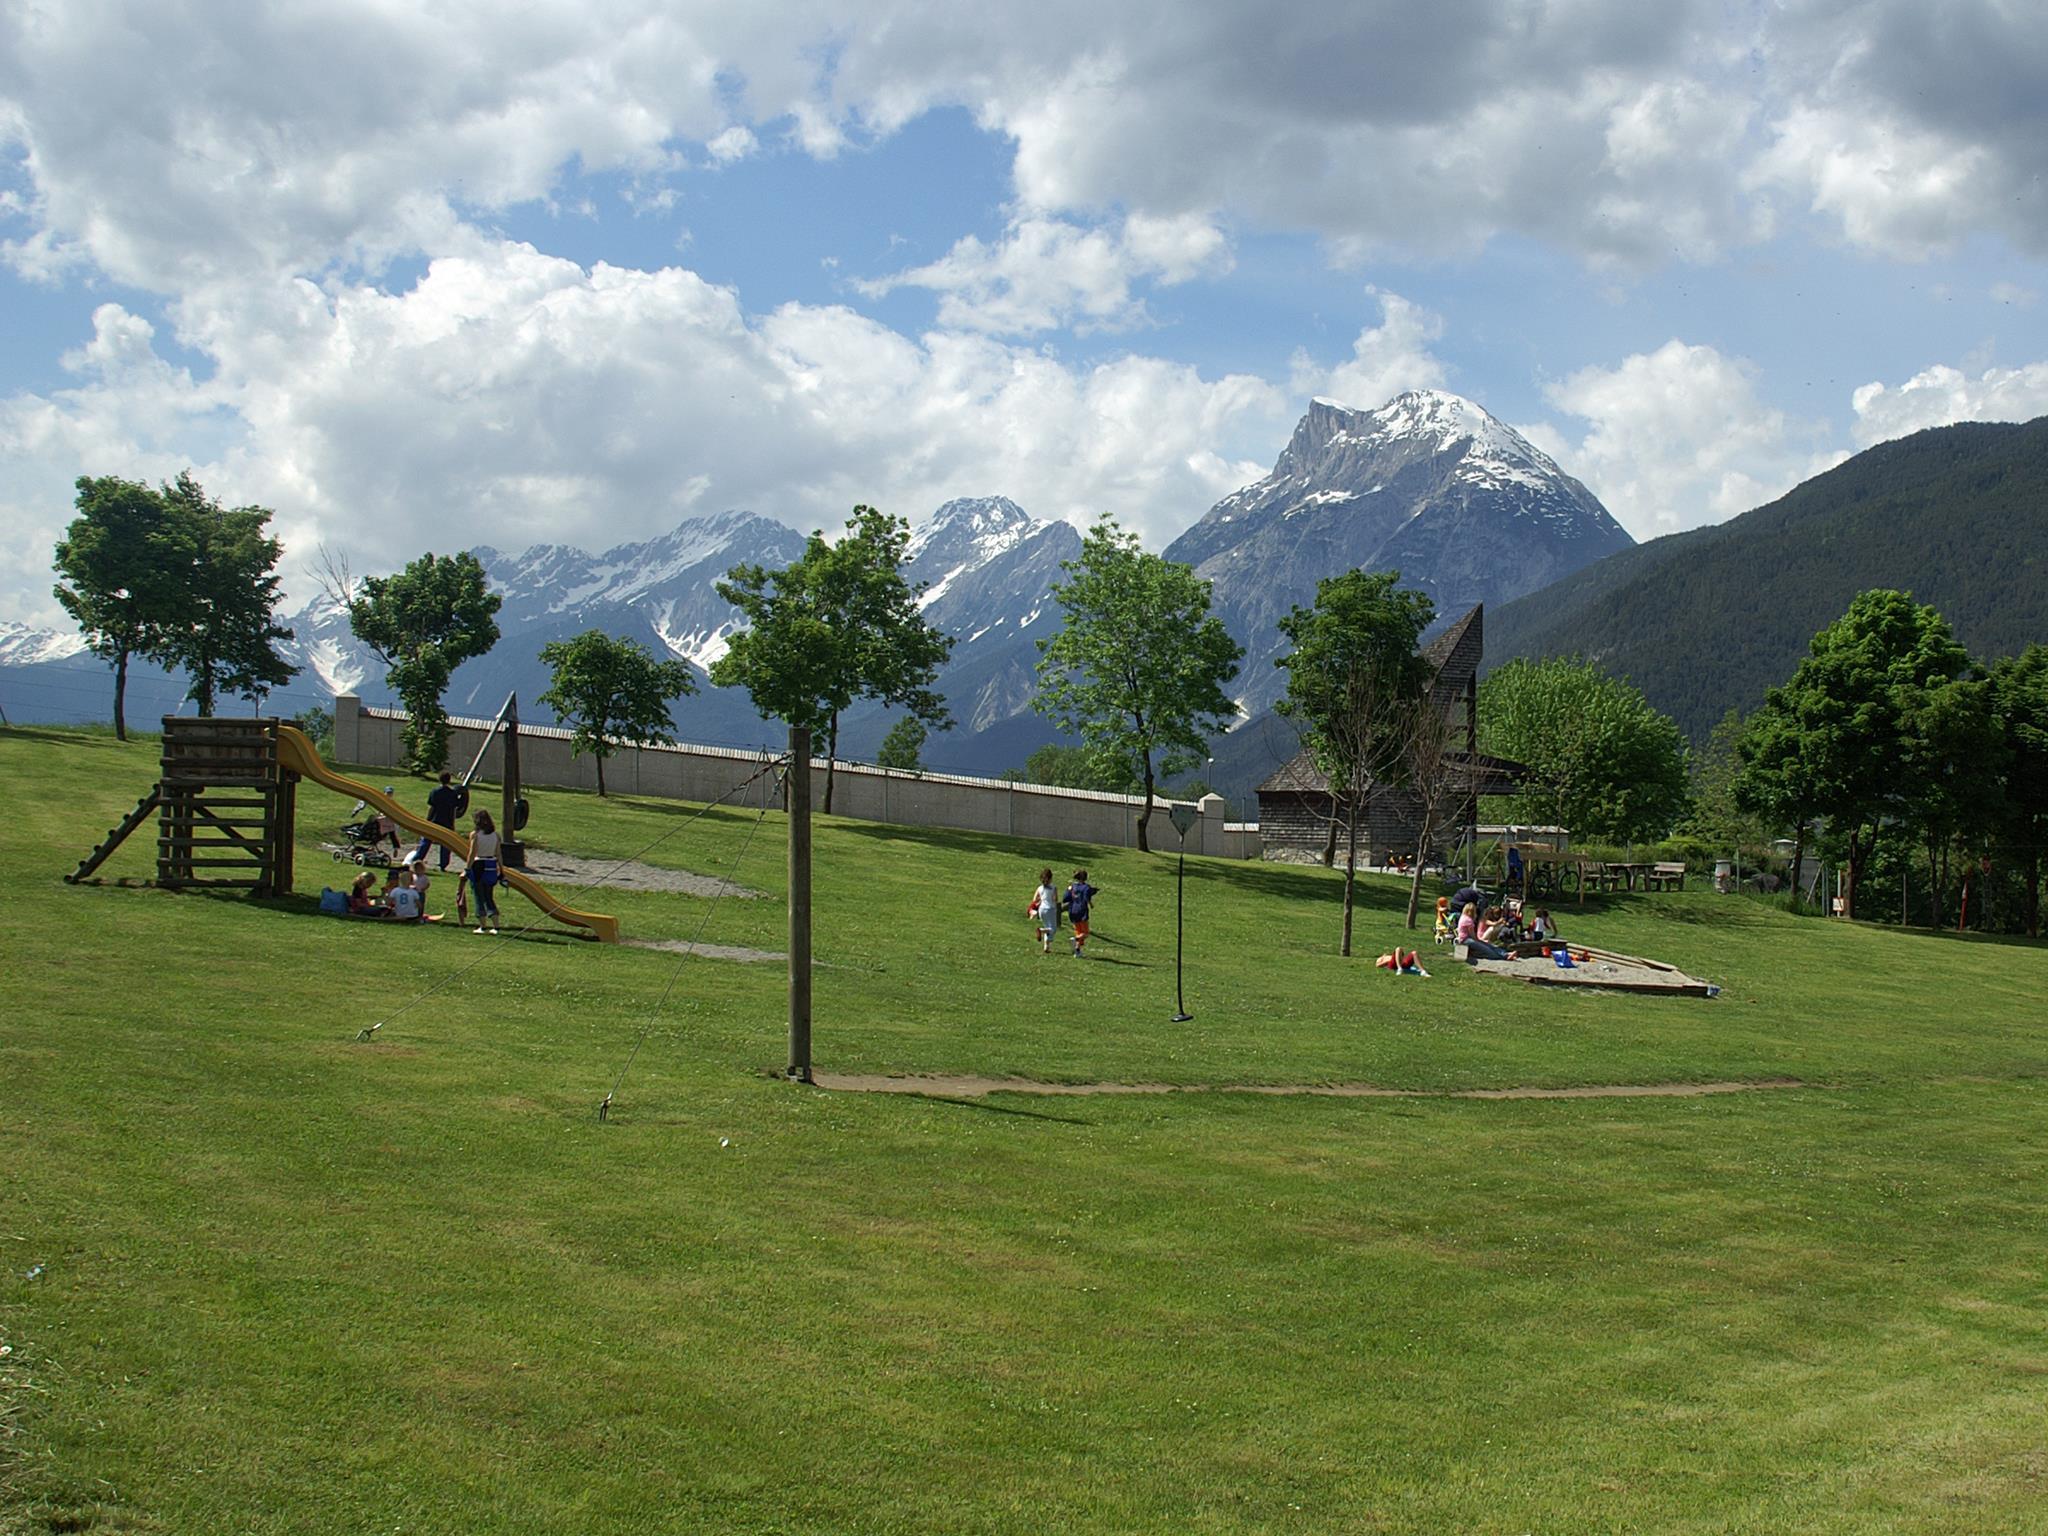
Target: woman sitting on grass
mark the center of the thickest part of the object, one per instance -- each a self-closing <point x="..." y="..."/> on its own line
<point x="1476" y="948"/>
<point x="362" y="897"/>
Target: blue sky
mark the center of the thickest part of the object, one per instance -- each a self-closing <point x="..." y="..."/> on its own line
<point x="426" y="276"/>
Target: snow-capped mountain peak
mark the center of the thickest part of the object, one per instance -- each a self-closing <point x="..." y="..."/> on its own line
<point x="1428" y="484"/>
<point x="21" y="646"/>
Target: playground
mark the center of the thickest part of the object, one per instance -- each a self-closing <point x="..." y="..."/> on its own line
<point x="1525" y="1257"/>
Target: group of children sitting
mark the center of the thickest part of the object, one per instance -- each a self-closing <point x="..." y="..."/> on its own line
<point x="1489" y="934"/>
<point x="403" y="899"/>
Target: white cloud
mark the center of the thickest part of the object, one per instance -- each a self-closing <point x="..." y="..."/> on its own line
<point x="1941" y="395"/>
<point x="1385" y="359"/>
<point x="1045" y="274"/>
<point x="512" y="397"/>
<point x="734" y="143"/>
<point x="292" y="136"/>
<point x="1678" y="438"/>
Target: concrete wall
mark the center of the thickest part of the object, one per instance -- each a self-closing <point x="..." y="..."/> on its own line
<point x="370" y="737"/>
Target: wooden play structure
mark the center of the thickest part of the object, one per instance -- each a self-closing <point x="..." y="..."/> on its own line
<point x="227" y="801"/>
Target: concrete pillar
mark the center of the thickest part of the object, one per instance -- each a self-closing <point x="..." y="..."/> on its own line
<point x="348" y="726"/>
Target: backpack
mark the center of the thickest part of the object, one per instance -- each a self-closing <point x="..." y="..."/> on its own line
<point x="1077" y="902"/>
<point x="334" y="902"/>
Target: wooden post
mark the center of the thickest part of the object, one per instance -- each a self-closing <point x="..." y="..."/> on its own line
<point x="800" y="903"/>
<point x="510" y="854"/>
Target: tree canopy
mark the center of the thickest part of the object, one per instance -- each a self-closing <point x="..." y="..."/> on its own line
<point x="609" y="690"/>
<point x="424" y="622"/>
<point x="839" y="623"/>
<point x="225" y="633"/>
<point x="119" y="560"/>
<point x="903" y="747"/>
<point x="1598" y="758"/>
<point x="1843" y="737"/>
<point x="1139" y="668"/>
<point x="2019" y="697"/>
<point x="171" y="575"/>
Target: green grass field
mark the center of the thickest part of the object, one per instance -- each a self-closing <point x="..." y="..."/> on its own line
<point x="255" y="1276"/>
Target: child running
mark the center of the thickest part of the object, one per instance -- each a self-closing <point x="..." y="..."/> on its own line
<point x="1079" y="895"/>
<point x="1045" y="906"/>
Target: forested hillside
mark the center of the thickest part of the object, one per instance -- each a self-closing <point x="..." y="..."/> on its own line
<point x="1700" y="621"/>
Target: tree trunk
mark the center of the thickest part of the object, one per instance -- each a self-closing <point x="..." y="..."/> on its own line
<point x="1856" y="854"/>
<point x="1798" y="863"/>
<point x="831" y="757"/>
<point x="1145" y="816"/>
<point x="120" y="696"/>
<point x="1415" y="874"/>
<point x="2034" y="892"/>
<point x="1350" y="865"/>
<point x="600" y="774"/>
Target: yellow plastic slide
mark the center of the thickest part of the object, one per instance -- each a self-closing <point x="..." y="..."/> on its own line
<point x="296" y="753"/>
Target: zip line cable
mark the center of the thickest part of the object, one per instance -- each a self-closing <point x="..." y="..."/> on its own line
<point x="604" y="1108"/>
<point x="370" y="1032"/>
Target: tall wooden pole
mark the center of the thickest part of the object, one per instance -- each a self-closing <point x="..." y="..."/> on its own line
<point x="510" y="853"/>
<point x="800" y="903"/>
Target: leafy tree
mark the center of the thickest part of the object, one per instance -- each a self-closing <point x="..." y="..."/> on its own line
<point x="1599" y="759"/>
<point x="1353" y="681"/>
<point x="2019" y="697"/>
<point x="903" y="747"/>
<point x="609" y="690"/>
<point x="1842" y="727"/>
<point x="1138" y="670"/>
<point x="1955" y="758"/>
<point x="318" y="725"/>
<point x="119" y="561"/>
<point x="227" y="572"/>
<point x="1067" y="767"/>
<point x="840" y="623"/>
<point x="425" y="622"/>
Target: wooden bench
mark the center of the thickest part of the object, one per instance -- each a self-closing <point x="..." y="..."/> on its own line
<point x="1665" y="877"/>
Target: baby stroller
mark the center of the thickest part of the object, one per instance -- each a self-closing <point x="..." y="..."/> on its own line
<point x="368" y="834"/>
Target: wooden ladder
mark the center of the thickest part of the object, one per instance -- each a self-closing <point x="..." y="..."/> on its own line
<point x="135" y="818"/>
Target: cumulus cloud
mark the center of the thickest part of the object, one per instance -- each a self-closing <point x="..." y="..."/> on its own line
<point x="294" y="136"/>
<point x="1046" y="274"/>
<point x="1385" y="359"/>
<point x="1941" y="395"/>
<point x="513" y="397"/>
<point x="1679" y="437"/>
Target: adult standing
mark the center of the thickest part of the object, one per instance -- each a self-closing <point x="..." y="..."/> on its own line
<point x="483" y="871"/>
<point x="445" y="805"/>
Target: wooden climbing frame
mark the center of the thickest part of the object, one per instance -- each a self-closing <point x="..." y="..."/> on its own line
<point x="225" y="807"/>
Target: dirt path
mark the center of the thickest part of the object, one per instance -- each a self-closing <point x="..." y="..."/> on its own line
<point x="550" y="868"/>
<point x="708" y="951"/>
<point x="969" y="1087"/>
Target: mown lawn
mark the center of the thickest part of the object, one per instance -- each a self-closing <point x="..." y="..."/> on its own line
<point x="286" y="1282"/>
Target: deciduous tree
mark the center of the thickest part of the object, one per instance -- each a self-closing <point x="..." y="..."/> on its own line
<point x="609" y="690"/>
<point x="226" y="628"/>
<point x="1599" y="759"/>
<point x="425" y="622"/>
<point x="838" y="624"/>
<point x="903" y="747"/>
<point x="2019" y="700"/>
<point x="119" y="561"/>
<point x="1353" y="684"/>
<point x="1841" y="728"/>
<point x="1138" y="670"/>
